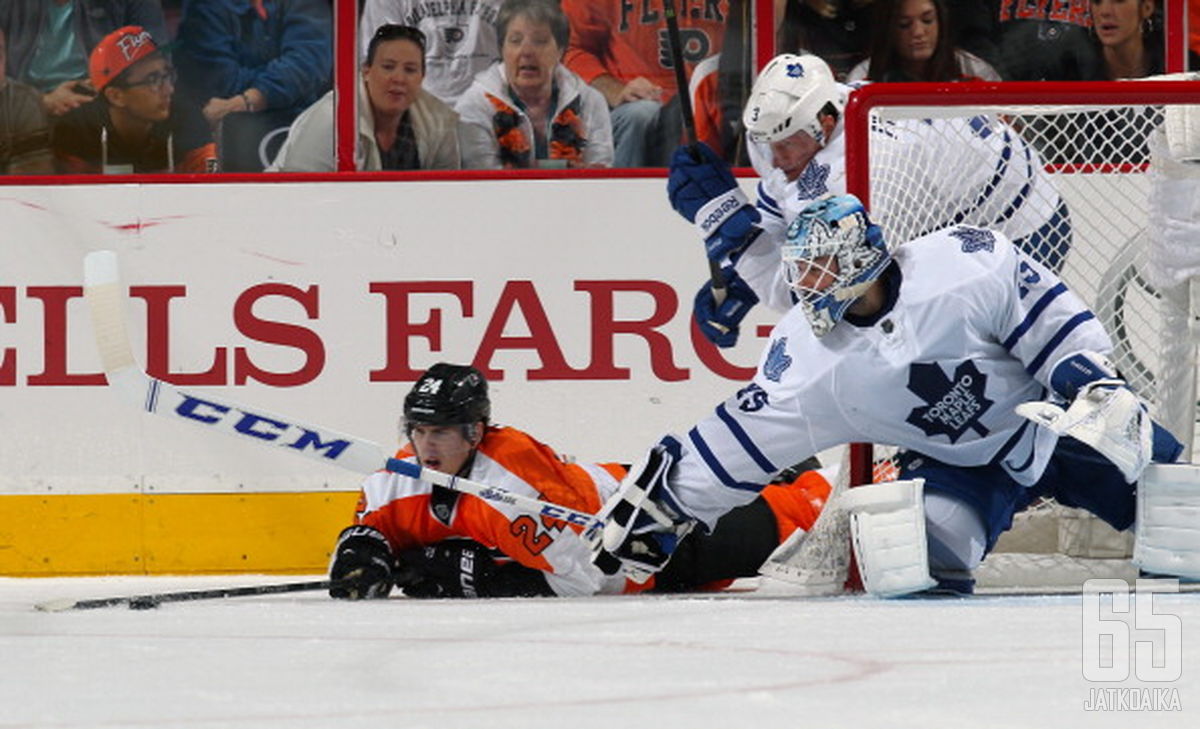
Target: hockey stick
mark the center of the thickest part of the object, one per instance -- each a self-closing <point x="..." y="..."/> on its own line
<point x="689" y="126"/>
<point x="103" y="294"/>
<point x="144" y="602"/>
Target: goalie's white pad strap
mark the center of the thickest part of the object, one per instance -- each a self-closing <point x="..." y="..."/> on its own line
<point x="1167" y="534"/>
<point x="717" y="211"/>
<point x="1108" y="417"/>
<point x="887" y="529"/>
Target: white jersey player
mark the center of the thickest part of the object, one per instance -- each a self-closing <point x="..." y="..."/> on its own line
<point x="795" y="136"/>
<point x="930" y="349"/>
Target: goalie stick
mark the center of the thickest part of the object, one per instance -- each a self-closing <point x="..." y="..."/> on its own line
<point x="103" y="294"/>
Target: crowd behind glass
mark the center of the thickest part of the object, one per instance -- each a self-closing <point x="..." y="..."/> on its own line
<point x="156" y="86"/>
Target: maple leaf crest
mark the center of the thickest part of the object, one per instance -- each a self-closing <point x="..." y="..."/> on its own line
<point x="813" y="182"/>
<point x="953" y="406"/>
<point x="975" y="239"/>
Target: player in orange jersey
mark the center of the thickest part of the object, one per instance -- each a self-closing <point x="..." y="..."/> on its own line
<point x="434" y="542"/>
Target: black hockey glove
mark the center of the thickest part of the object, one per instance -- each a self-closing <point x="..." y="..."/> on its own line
<point x="464" y="568"/>
<point x="364" y="559"/>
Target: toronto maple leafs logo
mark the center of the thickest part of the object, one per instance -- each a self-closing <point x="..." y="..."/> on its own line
<point x="778" y="360"/>
<point x="795" y="70"/>
<point x="751" y="398"/>
<point x="975" y="239"/>
<point x="953" y="406"/>
<point x="813" y="182"/>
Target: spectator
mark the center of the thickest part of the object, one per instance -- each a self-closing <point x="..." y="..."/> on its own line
<point x="255" y="55"/>
<point x="1045" y="41"/>
<point x="461" y="39"/>
<point x="433" y="542"/>
<point x="720" y="84"/>
<point x="24" y="137"/>
<point x="620" y="48"/>
<point x="974" y="28"/>
<point x="529" y="109"/>
<point x="49" y="42"/>
<point x="1129" y="43"/>
<point x="401" y="126"/>
<point x="136" y="123"/>
<point x="837" y="32"/>
<point x="911" y="41"/>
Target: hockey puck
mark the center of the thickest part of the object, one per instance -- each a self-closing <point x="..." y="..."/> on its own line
<point x="143" y="603"/>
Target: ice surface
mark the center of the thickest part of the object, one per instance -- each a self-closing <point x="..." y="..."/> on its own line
<point x="759" y="659"/>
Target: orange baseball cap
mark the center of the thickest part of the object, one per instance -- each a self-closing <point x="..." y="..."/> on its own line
<point x="118" y="51"/>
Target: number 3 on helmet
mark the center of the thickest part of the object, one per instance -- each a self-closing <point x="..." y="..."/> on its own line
<point x="789" y="96"/>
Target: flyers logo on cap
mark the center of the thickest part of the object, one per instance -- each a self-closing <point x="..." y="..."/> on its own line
<point x="118" y="51"/>
<point x="129" y="44"/>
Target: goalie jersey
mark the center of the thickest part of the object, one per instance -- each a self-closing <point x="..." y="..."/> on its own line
<point x="977" y="171"/>
<point x="972" y="328"/>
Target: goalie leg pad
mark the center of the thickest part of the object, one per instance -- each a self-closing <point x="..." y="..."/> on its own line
<point x="887" y="530"/>
<point x="1167" y="533"/>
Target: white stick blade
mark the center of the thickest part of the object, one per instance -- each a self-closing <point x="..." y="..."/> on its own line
<point x="102" y="289"/>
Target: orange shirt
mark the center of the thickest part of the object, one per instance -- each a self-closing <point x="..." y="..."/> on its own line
<point x="628" y="39"/>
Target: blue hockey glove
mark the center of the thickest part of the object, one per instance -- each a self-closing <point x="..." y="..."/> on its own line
<point x="705" y="192"/>
<point x="719" y="322"/>
<point x="362" y="564"/>
<point x="643" y="522"/>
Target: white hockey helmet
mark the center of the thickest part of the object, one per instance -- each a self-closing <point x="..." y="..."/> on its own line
<point x="788" y="97"/>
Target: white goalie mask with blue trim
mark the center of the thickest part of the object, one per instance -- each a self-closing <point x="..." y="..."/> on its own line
<point x="832" y="256"/>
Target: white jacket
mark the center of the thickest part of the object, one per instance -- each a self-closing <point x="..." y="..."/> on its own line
<point x="480" y="150"/>
<point x="309" y="144"/>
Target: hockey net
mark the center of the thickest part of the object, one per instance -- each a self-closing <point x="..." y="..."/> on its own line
<point x="921" y="154"/>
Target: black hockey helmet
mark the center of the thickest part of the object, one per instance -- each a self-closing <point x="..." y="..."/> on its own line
<point x="448" y="394"/>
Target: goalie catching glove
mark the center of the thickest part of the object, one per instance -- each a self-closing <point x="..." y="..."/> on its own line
<point x="643" y="522"/>
<point x="1107" y="416"/>
<point x="702" y="189"/>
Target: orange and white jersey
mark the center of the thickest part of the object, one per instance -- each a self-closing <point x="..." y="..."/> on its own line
<point x="412" y="513"/>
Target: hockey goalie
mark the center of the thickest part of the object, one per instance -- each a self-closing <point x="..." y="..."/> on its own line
<point x="959" y="348"/>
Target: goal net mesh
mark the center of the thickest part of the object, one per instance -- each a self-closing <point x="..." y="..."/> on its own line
<point x="1069" y="183"/>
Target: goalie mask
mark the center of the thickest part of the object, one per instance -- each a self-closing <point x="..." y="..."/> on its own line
<point x="789" y="96"/>
<point x="832" y="256"/>
<point x="448" y="394"/>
